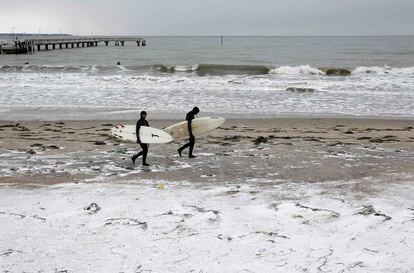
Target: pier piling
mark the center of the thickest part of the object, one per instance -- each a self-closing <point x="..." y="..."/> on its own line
<point x="49" y="42"/>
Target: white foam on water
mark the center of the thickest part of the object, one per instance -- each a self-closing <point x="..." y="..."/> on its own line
<point x="185" y="68"/>
<point x="402" y="71"/>
<point x="359" y="94"/>
<point x="297" y="70"/>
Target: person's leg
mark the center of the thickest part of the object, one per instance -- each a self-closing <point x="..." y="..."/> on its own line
<point x="144" y="154"/>
<point x="134" y="157"/>
<point x="180" y="150"/>
<point x="191" y="144"/>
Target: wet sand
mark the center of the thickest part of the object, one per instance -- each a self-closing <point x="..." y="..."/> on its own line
<point x="267" y="150"/>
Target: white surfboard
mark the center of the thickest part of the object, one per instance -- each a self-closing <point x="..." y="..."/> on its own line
<point x="147" y="134"/>
<point x="199" y="126"/>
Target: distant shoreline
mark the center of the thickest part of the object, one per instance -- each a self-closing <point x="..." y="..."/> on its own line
<point x="218" y="35"/>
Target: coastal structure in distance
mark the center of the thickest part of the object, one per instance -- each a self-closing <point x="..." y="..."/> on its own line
<point x="36" y="43"/>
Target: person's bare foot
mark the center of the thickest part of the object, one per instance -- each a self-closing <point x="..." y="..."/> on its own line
<point x="191" y="156"/>
<point x="179" y="152"/>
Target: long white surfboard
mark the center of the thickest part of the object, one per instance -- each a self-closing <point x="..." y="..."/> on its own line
<point x="147" y="134"/>
<point x="199" y="126"/>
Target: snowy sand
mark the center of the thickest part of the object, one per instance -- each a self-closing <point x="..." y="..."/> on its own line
<point x="141" y="226"/>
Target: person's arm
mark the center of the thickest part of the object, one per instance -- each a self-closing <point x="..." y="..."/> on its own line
<point x="137" y="132"/>
<point x="190" y="130"/>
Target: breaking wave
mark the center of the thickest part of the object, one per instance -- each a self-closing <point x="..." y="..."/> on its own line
<point x="205" y="69"/>
<point x="215" y="69"/>
<point x="384" y="70"/>
<point x="295" y="70"/>
<point x="64" y="68"/>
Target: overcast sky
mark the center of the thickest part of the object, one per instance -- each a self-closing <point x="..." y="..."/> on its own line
<point x="209" y="17"/>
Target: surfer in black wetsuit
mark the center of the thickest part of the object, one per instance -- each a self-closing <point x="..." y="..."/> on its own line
<point x="141" y="122"/>
<point x="190" y="116"/>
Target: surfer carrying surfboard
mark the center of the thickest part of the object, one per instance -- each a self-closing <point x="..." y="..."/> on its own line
<point x="141" y="122"/>
<point x="190" y="116"/>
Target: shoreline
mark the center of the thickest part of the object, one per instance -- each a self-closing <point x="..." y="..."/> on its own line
<point x="39" y="113"/>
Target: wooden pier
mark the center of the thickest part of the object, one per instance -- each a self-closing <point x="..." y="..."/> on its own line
<point x="32" y="44"/>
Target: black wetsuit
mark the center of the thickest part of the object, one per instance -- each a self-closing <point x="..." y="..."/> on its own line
<point x="190" y="116"/>
<point x="144" y="152"/>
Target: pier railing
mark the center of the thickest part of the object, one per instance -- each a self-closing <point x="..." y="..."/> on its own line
<point x="33" y="43"/>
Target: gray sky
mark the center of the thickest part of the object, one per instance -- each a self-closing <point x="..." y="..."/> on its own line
<point x="209" y="17"/>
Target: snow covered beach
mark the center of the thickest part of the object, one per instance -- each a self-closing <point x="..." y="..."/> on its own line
<point x="139" y="226"/>
<point x="282" y="195"/>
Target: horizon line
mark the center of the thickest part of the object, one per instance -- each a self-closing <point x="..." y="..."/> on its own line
<point x="287" y="35"/>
